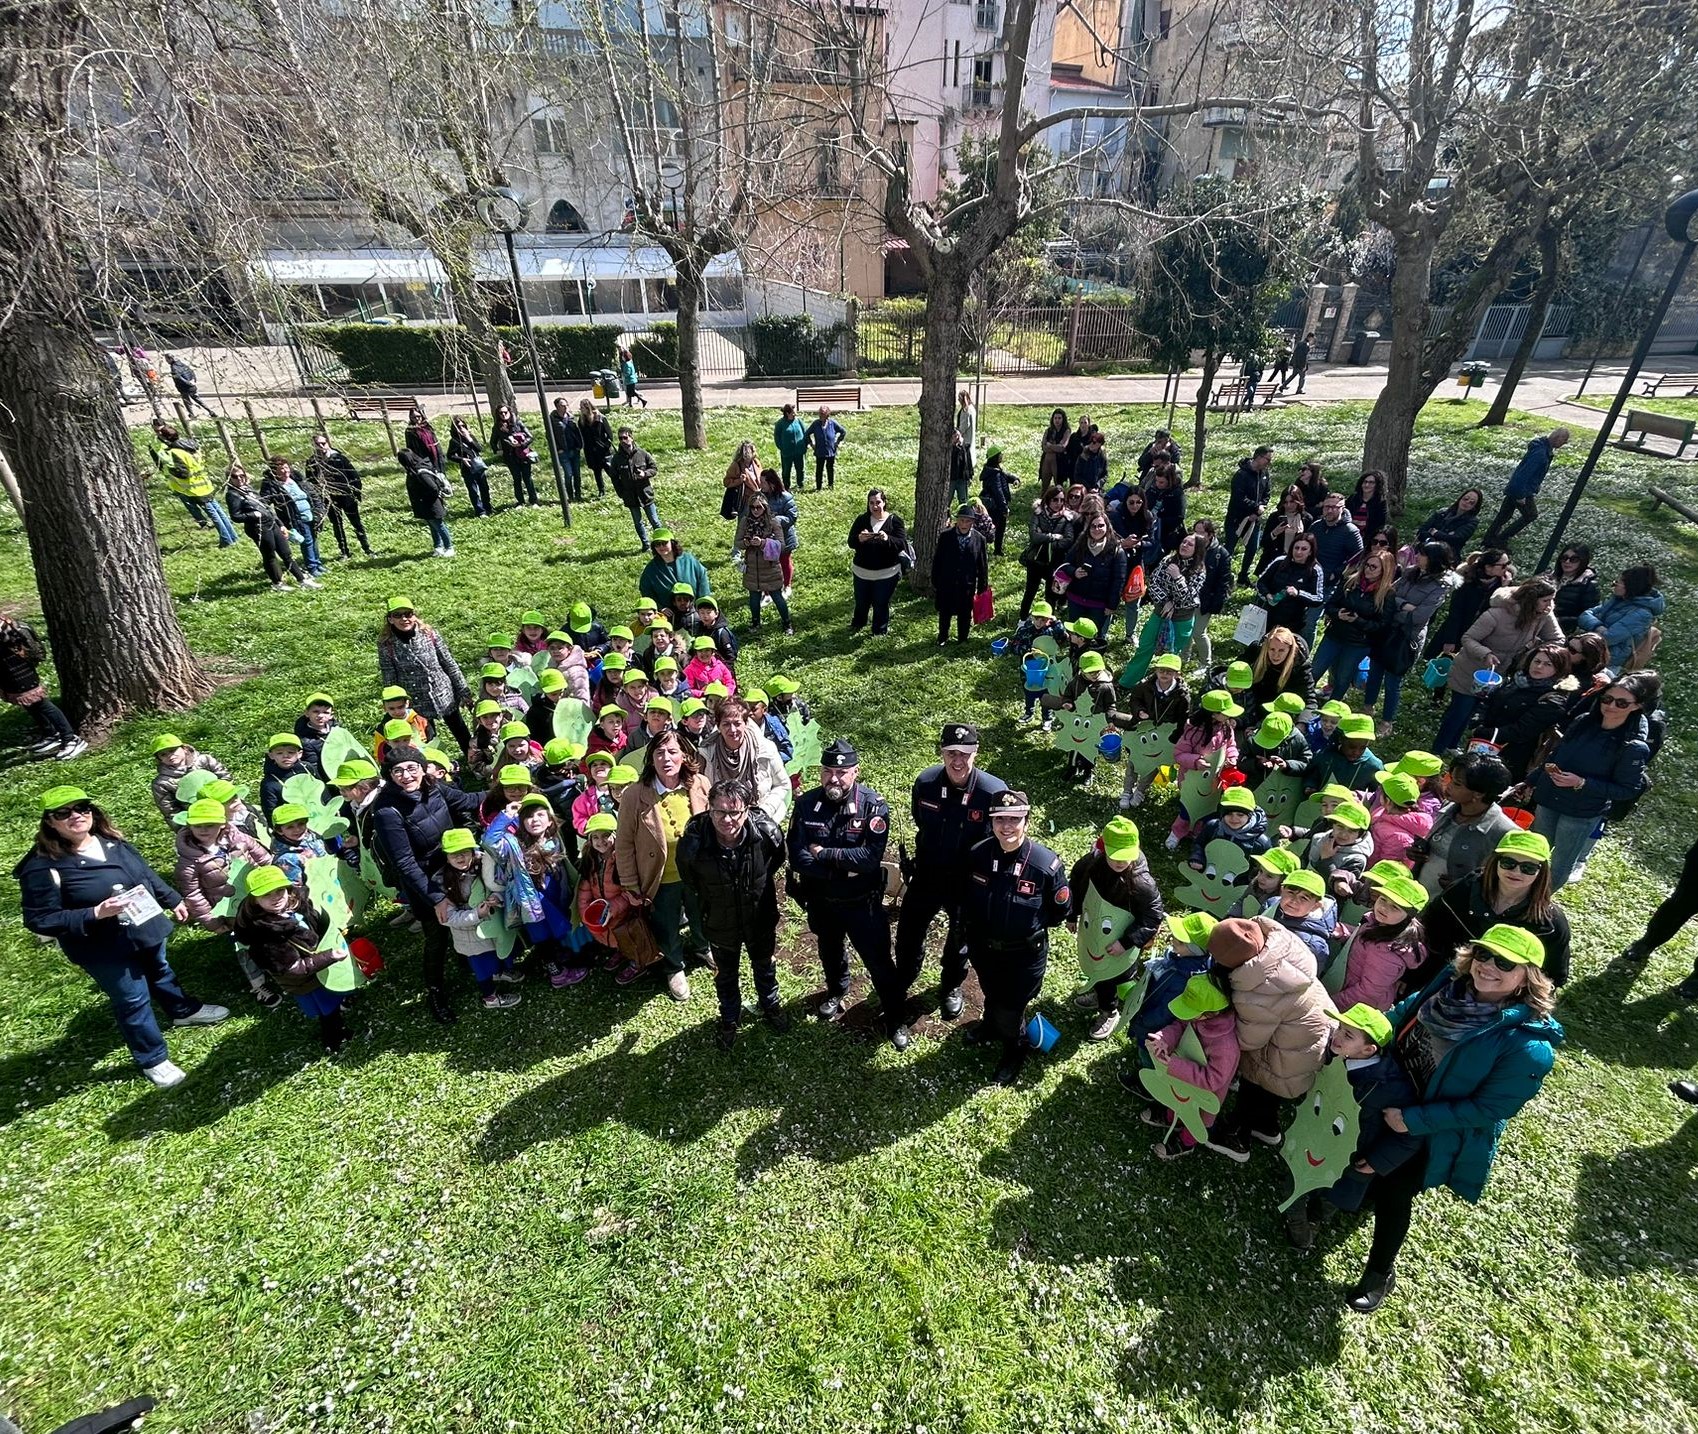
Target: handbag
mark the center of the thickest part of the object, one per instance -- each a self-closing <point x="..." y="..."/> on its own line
<point x="984" y="606"/>
<point x="729" y="504"/>
<point x="771" y="548"/>
<point x="1252" y="625"/>
<point x="1135" y="585"/>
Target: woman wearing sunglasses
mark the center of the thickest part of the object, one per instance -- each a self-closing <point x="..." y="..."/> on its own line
<point x="1599" y="762"/>
<point x="1576" y="585"/>
<point x="86" y="887"/>
<point x="1477" y="1043"/>
<point x="1512" y="889"/>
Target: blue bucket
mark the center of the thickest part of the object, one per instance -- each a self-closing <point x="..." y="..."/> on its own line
<point x="1040" y="1035"/>
<point x="1362" y="670"/>
<point x="1485" y="680"/>
<point x="1109" y="746"/>
<point x="1037" y="669"/>
<point x="999" y="646"/>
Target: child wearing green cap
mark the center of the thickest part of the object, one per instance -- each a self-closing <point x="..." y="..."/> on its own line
<point x="705" y="666"/>
<point x="1205" y="1010"/>
<point x="312" y="727"/>
<point x="280" y="931"/>
<point x="608" y="734"/>
<point x="492" y="687"/>
<point x="471" y="904"/>
<point x="1185" y="955"/>
<point x="1348" y="761"/>
<point x="1304" y="908"/>
<point x="1399" y="819"/>
<point x="533" y="632"/>
<point x="595" y="795"/>
<point x="606" y="908"/>
<point x="1238" y="820"/>
<point x="488" y="718"/>
<point x="559" y="778"/>
<point x="1388" y="945"/>
<point x="527" y="867"/>
<point x="398" y="707"/>
<point x="282" y="761"/>
<point x="294" y="843"/>
<point x="206" y="845"/>
<point x="1116" y="871"/>
<point x="1339" y="848"/>
<point x="174" y="759"/>
<point x="710" y="622"/>
<point x="1030" y="628"/>
<point x="1209" y="733"/>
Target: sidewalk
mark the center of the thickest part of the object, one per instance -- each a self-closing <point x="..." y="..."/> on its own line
<point x="261" y="376"/>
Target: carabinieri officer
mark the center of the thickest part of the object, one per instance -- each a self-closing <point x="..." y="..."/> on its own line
<point x="952" y="804"/>
<point x="838" y="833"/>
<point x="1016" y="892"/>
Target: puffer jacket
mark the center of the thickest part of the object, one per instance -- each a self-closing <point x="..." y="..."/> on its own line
<point x="1613" y="764"/>
<point x="1314" y="930"/>
<point x="1251" y="838"/>
<point x="1197" y="744"/>
<point x="1104" y="582"/>
<point x="1378" y="960"/>
<point x="424" y="666"/>
<point x="1449" y="527"/>
<point x="1423" y="593"/>
<point x="1574" y="597"/>
<point x="1392" y="832"/>
<point x="1217" y="1033"/>
<point x="407" y="830"/>
<point x="1132" y="890"/>
<point x="736" y="887"/>
<point x="1494" y="634"/>
<point x="1282" y="1014"/>
<point x="1519" y="714"/>
<point x="1049" y="536"/>
<point x="640" y="843"/>
<point x="1477" y="1085"/>
<point x="1622" y="622"/>
<point x="284" y="945"/>
<point x="203" y="873"/>
<point x="164" y="788"/>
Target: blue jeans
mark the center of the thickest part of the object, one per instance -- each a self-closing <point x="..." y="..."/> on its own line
<point x="958" y="492"/>
<point x="1571" y="841"/>
<point x="777" y="601"/>
<point x="1339" y="659"/>
<point x="675" y="903"/>
<point x="1393" y="685"/>
<point x="1455" y="721"/>
<point x="221" y="521"/>
<point x="572" y="465"/>
<point x="307" y="538"/>
<point x="648" y="511"/>
<point x="439" y="534"/>
<point x="132" y="982"/>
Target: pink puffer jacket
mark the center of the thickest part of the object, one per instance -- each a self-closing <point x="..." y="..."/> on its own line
<point x="1378" y="961"/>
<point x="1393" y="831"/>
<point x="1218" y="1033"/>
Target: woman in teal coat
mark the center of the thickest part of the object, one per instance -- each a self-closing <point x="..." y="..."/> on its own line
<point x="668" y="565"/>
<point x="1477" y="1043"/>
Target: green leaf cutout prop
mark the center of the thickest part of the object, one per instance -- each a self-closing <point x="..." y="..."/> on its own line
<point x="1057" y="678"/>
<point x="494" y="927"/>
<point x="1079" y="733"/>
<point x="340" y="746"/>
<point x="1333" y="980"/>
<point x="522" y="680"/>
<point x="1318" y="1146"/>
<point x="1101" y="925"/>
<point x="1219" y="887"/>
<point x="1047" y="645"/>
<point x="805" y="743"/>
<point x="1199" y="789"/>
<point x="187" y="790"/>
<point x="1149" y="748"/>
<point x="573" y="721"/>
<point x="1131" y="995"/>
<point x="1307" y="814"/>
<point x="239" y="870"/>
<point x="323" y="804"/>
<point x="1189" y="1103"/>
<point x="1279" y="795"/>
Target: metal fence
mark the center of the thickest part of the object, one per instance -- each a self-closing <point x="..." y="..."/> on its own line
<point x="1042" y="338"/>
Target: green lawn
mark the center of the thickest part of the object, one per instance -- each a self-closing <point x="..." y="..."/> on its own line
<point x="1667" y="403"/>
<point x="582" y="1215"/>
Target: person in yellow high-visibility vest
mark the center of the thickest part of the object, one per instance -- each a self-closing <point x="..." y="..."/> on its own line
<point x="179" y="460"/>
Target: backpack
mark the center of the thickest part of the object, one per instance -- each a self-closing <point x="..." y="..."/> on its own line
<point x="1656" y="733"/>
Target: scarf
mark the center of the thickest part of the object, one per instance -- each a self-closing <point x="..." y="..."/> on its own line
<point x="1456" y="1012"/>
<point x="723" y="764"/>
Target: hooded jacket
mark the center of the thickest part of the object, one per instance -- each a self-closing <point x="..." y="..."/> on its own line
<point x="1377" y="961"/>
<point x="1477" y="1085"/>
<point x="1217" y="1033"/>
<point x="284" y="945"/>
<point x="1392" y="832"/>
<point x="1251" y="838"/>
<point x="168" y="774"/>
<point x="1494" y="634"/>
<point x="1314" y="930"/>
<point x="203" y="873"/>
<point x="1622" y="622"/>
<point x="1282" y="1014"/>
<point x="736" y="887"/>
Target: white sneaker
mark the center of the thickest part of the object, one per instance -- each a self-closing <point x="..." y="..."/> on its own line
<point x="447" y="552"/>
<point x="166" y="1074"/>
<point x="280" y="587"/>
<point x="74" y="748"/>
<point x="207" y="1015"/>
<point x="1172" y="842"/>
<point x="436" y="552"/>
<point x="311" y="582"/>
<point x="46" y="745"/>
<point x="678" y="986"/>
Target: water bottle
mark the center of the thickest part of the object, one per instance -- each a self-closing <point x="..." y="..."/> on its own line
<point x="124" y="916"/>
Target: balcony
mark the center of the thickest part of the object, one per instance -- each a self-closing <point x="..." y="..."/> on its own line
<point x="1221" y="116"/>
<point x="981" y="97"/>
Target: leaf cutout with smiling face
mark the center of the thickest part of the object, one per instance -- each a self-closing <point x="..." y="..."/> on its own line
<point x="1189" y="1103"/>
<point x="1101" y="924"/>
<point x="1279" y="795"/>
<point x="1149" y="749"/>
<point x="1219" y="888"/>
<point x="1058" y="677"/>
<point x="1079" y="733"/>
<point x="1318" y="1146"/>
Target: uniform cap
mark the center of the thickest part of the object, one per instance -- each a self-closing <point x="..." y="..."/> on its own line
<point x="166" y="742"/>
<point x="1120" y="839"/>
<point x="839" y="756"/>
<point x="1192" y="927"/>
<point x="693" y="705"/>
<point x="1305" y="880"/>
<point x="1239" y="676"/>
<point x="1201" y="997"/>
<point x="623" y="632"/>
<point x="395" y="694"/>
<point x="1092" y="662"/>
<point x="288" y="812"/>
<point x="1403" y="890"/>
<point x="263" y="880"/>
<point x="1334" y="709"/>
<point x="219" y="790"/>
<point x="356" y="771"/>
<point x="716" y="689"/>
<point x="1359" y="726"/>
<point x="557" y="751"/>
<point x="708" y="601"/>
<point x="958" y="737"/>
<point x="205" y="813"/>
<point x="613" y="662"/>
<point x="1167" y="662"/>
<point x="489" y="707"/>
<point x="436" y="757"/>
<point x="754" y="696"/>
<point x="511" y="731"/>
<point x="1419" y="764"/>
<point x="580" y="618"/>
<point x="320" y="699"/>
<point x="1275" y="728"/>
<point x="1352" y="814"/>
<point x="1239" y="799"/>
<point x="1371" y="1023"/>
<point x="622" y="776"/>
<point x="397" y="731"/>
<point x="513" y="775"/>
<point x="1290" y="703"/>
<point x="1280" y="861"/>
<point x="530" y="617"/>
<point x="782" y="686"/>
<point x="1221" y="704"/>
<point x="558" y="636"/>
<point x="1522" y="947"/>
<point x="600" y="756"/>
<point x="458" y="839"/>
<point x="660" y="535"/>
<point x="493" y="672"/>
<point x="1042" y="609"/>
<point x="282" y="739"/>
<point x="1010" y="804"/>
<point x="659" y="704"/>
<point x="665" y="664"/>
<point x="61" y="796"/>
<point x="536" y="799"/>
<point x="1399" y="787"/>
<point x="612" y="709"/>
<point x="499" y="639"/>
<point x="683" y="590"/>
<point x="551" y="680"/>
<point x="400" y="604"/>
<point x="1083" y="627"/>
<point x="1530" y="845"/>
<point x="601" y="822"/>
<point x="702" y="644"/>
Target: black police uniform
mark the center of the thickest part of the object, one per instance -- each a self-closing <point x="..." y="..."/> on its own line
<point x="842" y="886"/>
<point x="1010" y="902"/>
<point x="948" y="822"/>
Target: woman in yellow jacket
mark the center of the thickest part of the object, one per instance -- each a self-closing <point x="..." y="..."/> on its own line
<point x="652" y="814"/>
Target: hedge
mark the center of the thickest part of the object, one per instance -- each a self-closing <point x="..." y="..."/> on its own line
<point x="400" y="354"/>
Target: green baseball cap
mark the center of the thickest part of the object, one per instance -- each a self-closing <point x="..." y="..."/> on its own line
<point x="395" y="694"/>
<point x="219" y="790"/>
<point x="1238" y="799"/>
<point x="1083" y="627"/>
<point x="614" y="662"/>
<point x="558" y="636"/>
<point x="1359" y="725"/>
<point x="1384" y="871"/>
<point x="660" y="535"/>
<point x="557" y="751"/>
<point x="263" y="880"/>
<point x="282" y="739"/>
<point x="1419" y="764"/>
<point x="397" y="731"/>
<point x="667" y="664"/>
<point x="1275" y="728"/>
<point x="601" y="822"/>
<point x="621" y="632"/>
<point x="612" y="709"/>
<point x="513" y="776"/>
<point x="659" y="704"/>
<point x="581" y="618"/>
<point x="1530" y="845"/>
<point x="489" y="707"/>
<point x="458" y="839"/>
<point x="320" y="699"/>
<point x="1352" y="814"/>
<point x="400" y="604"/>
<point x="1167" y="662"/>
<point x="1192" y="927"/>
<point x="782" y="686"/>
<point x="1305" y="880"/>
<point x="1522" y="947"/>
<point x="536" y="799"/>
<point x="683" y="590"/>
<point x="754" y="696"/>
<point x="435" y="756"/>
<point x="1403" y="890"/>
<point x="708" y="601"/>
<point x="61" y="796"/>
<point x="703" y="643"/>
<point x="1399" y="787"/>
<point x="1239" y="676"/>
<point x="1337" y="792"/>
<point x="716" y="689"/>
<point x="622" y="776"/>
<point x="693" y="705"/>
<point x="551" y="679"/>
<point x="994" y="451"/>
<point x="511" y="731"/>
<point x="1120" y="839"/>
<point x="1290" y="703"/>
<point x="288" y="812"/>
<point x="207" y="812"/>
<point x="1371" y="1023"/>
<point x="500" y="640"/>
<point x="494" y="672"/>
<point x="1335" y="709"/>
<point x="1091" y="662"/>
<point x="1201" y="997"/>
<point x="1042" y="609"/>
<point x="530" y="617"/>
<point x="1279" y="860"/>
<point x="1221" y="704"/>
<point x="355" y="771"/>
<point x="166" y="742"/>
<point x="647" y="604"/>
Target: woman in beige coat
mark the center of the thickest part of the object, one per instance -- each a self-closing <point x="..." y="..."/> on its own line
<point x="1282" y="1026"/>
<point x="652" y="815"/>
<point x="1515" y="621"/>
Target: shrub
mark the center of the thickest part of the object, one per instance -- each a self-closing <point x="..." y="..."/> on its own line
<point x="784" y="344"/>
<point x="399" y="355"/>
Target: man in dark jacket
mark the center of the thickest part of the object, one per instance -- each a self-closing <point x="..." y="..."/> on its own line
<point x="632" y="471"/>
<point x="408" y="820"/>
<point x="731" y="855"/>
<point x="1337" y="542"/>
<point x="333" y="479"/>
<point x="1160" y="449"/>
<point x="1520" y="506"/>
<point x="960" y="572"/>
<point x="1246" y="502"/>
<point x="1299" y="362"/>
<point x="1166" y="499"/>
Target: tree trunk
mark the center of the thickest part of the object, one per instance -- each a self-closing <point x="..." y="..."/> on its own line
<point x="1550" y="275"/>
<point x="1391" y="426"/>
<point x="117" y="644"/>
<point x="689" y="286"/>
<point x="1200" y="429"/>
<point x="1448" y="345"/>
<point x="482" y="341"/>
<point x="940" y="365"/>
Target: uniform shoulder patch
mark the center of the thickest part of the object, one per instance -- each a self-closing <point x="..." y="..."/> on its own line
<point x="1062" y="893"/>
<point x="876" y="824"/>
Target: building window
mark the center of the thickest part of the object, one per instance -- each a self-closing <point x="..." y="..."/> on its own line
<point x="551" y="136"/>
<point x="827" y="172"/>
<point x="564" y="219"/>
<point x="979" y="96"/>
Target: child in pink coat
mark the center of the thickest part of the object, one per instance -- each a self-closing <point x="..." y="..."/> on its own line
<point x="1386" y="947"/>
<point x="705" y="666"/>
<point x="1205" y="1009"/>
<point x="1399" y="818"/>
<point x="597" y="796"/>
<point x="1206" y="732"/>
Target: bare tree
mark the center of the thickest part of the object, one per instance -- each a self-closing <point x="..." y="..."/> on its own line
<point x="117" y="642"/>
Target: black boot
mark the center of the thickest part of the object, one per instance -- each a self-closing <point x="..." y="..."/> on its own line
<point x="440" y="1010"/>
<point x="333" y="1031"/>
<point x="1369" y="1292"/>
<point x="1013" y="1060"/>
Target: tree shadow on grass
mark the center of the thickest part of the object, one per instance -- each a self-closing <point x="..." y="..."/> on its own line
<point x="1632" y="1209"/>
<point x="69" y="1064"/>
<point x="1182" y="1237"/>
<point x="1601" y="1015"/>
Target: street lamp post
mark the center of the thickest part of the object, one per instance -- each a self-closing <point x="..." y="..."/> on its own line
<point x="503" y="211"/>
<point x="1681" y="220"/>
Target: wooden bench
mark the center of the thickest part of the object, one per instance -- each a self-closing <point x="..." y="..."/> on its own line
<point x="1657" y="425"/>
<point x="1235" y="397"/>
<point x="1654" y="382"/>
<point x="382" y="406"/>
<point x="846" y="395"/>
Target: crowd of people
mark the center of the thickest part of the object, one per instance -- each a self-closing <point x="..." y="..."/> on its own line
<point x="626" y="798"/>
